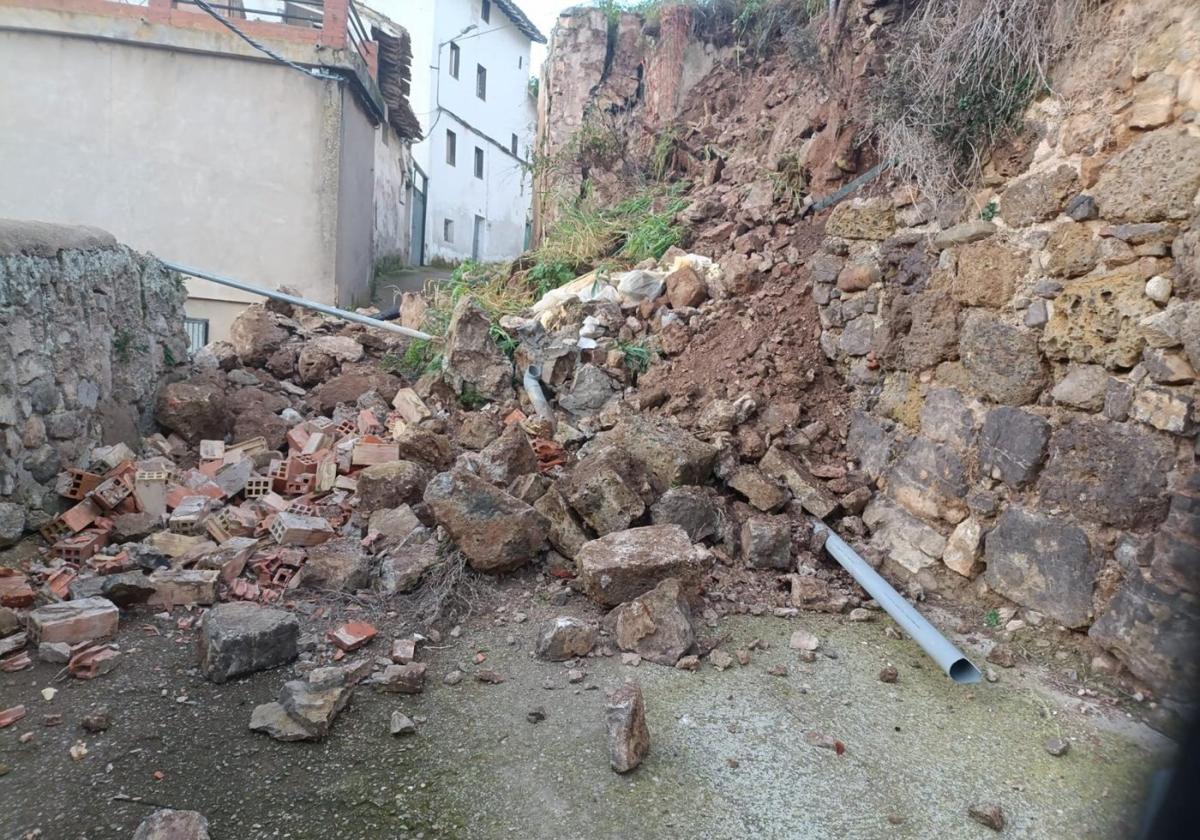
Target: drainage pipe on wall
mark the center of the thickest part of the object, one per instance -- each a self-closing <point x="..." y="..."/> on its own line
<point x="299" y="301"/>
<point x="534" y="389"/>
<point x="949" y="658"/>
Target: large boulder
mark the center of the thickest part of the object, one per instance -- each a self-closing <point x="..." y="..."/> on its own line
<point x="1041" y="562"/>
<point x="349" y="385"/>
<point x="195" y="409"/>
<point x="256" y="334"/>
<point x="472" y="362"/>
<point x="656" y="625"/>
<point x="670" y="455"/>
<point x="1156" y="178"/>
<point x="562" y="529"/>
<point x="1003" y="360"/>
<point x="390" y="485"/>
<point x="1108" y="473"/>
<point x="240" y="638"/>
<point x="621" y="566"/>
<point x="495" y="531"/>
<point x="862" y="218"/>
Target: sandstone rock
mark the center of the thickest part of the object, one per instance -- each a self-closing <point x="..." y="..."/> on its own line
<point x="620" y="566"/>
<point x="670" y="455"/>
<point x="424" y="447"/>
<point x="909" y="541"/>
<point x="194" y="409"/>
<point x="314" y="366"/>
<point x="962" y="234"/>
<point x="625" y="720"/>
<point x="590" y="390"/>
<point x="340" y="565"/>
<point x="402" y="679"/>
<point x="930" y="329"/>
<point x="402" y="568"/>
<point x="1108" y="474"/>
<point x="1083" y="387"/>
<point x="168" y="824"/>
<point x="239" y="638"/>
<point x="390" y="485"/>
<point x="477" y="430"/>
<point x="1153" y="102"/>
<point x="1156" y="178"/>
<point x="1097" y="320"/>
<point x="1073" y="251"/>
<point x="394" y="524"/>
<point x="1042" y="562"/>
<point x="348" y="386"/>
<point x="657" y="625"/>
<point x="1012" y="445"/>
<point x="507" y="457"/>
<point x="256" y="334"/>
<point x="870" y="218"/>
<point x="759" y="490"/>
<point x="809" y="491"/>
<point x="685" y="288"/>
<point x="563" y="531"/>
<point x="989" y="814"/>
<point x="313" y="708"/>
<point x="964" y="547"/>
<point x="1003" y="361"/>
<point x="495" y="531"/>
<point x="930" y="480"/>
<point x="858" y="277"/>
<point x="767" y="542"/>
<point x="1169" y="409"/>
<point x="1038" y="197"/>
<point x="565" y="638"/>
<point x="696" y="509"/>
<point x="471" y="360"/>
<point x="601" y="489"/>
<point x="988" y="272"/>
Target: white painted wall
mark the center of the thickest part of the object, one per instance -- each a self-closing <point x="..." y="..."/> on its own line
<point x="502" y="197"/>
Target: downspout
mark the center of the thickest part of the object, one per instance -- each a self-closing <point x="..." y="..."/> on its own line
<point x="949" y="658"/>
<point x="534" y="389"/>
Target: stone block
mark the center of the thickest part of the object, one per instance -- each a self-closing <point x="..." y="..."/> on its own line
<point x="1012" y="445"/>
<point x="1098" y="319"/>
<point x="766" y="542"/>
<point x="988" y="272"/>
<point x="494" y="530"/>
<point x="657" y="625"/>
<point x="620" y="566"/>
<point x="239" y="638"/>
<point x="1003" y="360"/>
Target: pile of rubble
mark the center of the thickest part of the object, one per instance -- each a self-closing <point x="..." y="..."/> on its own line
<point x="292" y="460"/>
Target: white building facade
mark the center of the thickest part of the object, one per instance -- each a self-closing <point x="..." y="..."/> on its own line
<point x="471" y="93"/>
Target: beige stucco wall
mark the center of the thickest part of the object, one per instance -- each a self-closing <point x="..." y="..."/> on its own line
<point x="238" y="166"/>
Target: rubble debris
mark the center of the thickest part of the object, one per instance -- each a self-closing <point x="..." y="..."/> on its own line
<point x="989" y="814"/>
<point x="657" y="625"/>
<point x="97" y="720"/>
<point x="625" y="720"/>
<point x="352" y="635"/>
<point x="620" y="566"/>
<point x="401" y="724"/>
<point x="802" y="639"/>
<point x="402" y="679"/>
<point x="241" y="638"/>
<point x="168" y="824"/>
<point x="565" y="638"/>
<point x="11" y="715"/>
<point x="1057" y="746"/>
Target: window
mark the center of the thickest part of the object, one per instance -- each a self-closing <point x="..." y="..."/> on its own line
<point x="448" y="230"/>
<point x="513" y="145"/>
<point x="478" y="162"/>
<point x="481" y="81"/>
<point x="451" y="141"/>
<point x="485" y="11"/>
<point x="455" y="56"/>
<point x="197" y="333"/>
<point x="520" y="61"/>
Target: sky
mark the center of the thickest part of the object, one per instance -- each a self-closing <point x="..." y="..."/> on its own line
<point x="544" y="13"/>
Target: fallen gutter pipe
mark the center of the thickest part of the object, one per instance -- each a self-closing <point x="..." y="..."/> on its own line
<point x="299" y="301"/>
<point x="534" y="389"/>
<point x="949" y="658"/>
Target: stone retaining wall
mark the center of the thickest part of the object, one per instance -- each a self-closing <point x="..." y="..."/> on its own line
<point x="87" y="328"/>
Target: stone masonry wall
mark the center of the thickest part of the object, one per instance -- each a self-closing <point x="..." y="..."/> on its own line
<point x="1026" y="378"/>
<point x="87" y="328"/>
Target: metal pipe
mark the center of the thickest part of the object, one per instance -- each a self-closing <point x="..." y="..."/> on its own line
<point x="299" y="301"/>
<point x="536" y="396"/>
<point x="949" y="658"/>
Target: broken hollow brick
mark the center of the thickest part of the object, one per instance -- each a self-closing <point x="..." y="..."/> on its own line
<point x="352" y="635"/>
<point x="85" y="620"/>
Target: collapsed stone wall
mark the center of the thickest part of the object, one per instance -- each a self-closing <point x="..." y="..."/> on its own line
<point x="1021" y="368"/>
<point x="87" y="329"/>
